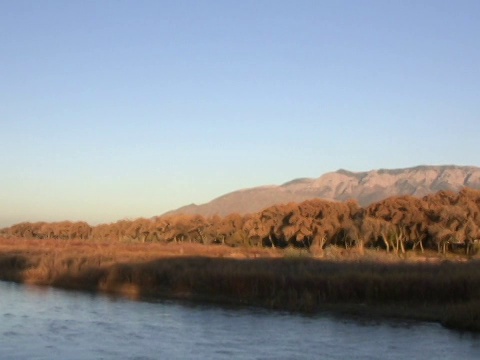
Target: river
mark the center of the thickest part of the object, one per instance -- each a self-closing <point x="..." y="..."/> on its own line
<point x="46" y="323"/>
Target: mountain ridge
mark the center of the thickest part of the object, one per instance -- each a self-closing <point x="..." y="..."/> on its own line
<point x="366" y="187"/>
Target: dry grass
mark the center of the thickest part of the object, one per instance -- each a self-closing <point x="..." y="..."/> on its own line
<point x="426" y="286"/>
<point x="65" y="263"/>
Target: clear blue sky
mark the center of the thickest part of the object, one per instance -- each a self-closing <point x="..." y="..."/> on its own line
<point x="125" y="109"/>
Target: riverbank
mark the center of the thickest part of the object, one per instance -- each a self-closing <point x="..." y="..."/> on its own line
<point x="427" y="287"/>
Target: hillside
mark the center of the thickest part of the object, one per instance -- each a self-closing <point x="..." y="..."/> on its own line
<point x="365" y="187"/>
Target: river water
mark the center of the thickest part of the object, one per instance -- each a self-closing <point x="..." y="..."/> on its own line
<point x="46" y="323"/>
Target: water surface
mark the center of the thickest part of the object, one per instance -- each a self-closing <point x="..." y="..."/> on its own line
<point x="46" y="323"/>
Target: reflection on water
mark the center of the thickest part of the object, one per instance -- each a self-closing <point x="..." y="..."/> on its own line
<point x="45" y="323"/>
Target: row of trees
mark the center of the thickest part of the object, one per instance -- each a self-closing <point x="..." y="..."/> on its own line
<point x="445" y="221"/>
<point x="50" y="230"/>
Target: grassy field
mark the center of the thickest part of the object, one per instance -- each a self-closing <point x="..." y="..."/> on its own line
<point x="428" y="286"/>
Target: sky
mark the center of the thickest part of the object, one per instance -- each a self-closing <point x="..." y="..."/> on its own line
<point x="122" y="109"/>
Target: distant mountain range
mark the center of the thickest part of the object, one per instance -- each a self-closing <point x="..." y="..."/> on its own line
<point x="365" y="187"/>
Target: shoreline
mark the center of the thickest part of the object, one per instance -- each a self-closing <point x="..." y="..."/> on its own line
<point x="446" y="291"/>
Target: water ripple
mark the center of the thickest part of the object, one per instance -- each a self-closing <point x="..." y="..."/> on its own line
<point x="53" y="324"/>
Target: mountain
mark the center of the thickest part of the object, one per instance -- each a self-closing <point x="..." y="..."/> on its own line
<point x="365" y="187"/>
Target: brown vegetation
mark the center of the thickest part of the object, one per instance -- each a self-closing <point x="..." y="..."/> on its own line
<point x="445" y="222"/>
<point x="373" y="283"/>
<point x="397" y="252"/>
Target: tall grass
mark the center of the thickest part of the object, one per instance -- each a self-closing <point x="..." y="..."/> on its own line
<point x="448" y="291"/>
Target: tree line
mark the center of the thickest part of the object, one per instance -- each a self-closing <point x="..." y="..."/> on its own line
<point x="444" y="221"/>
